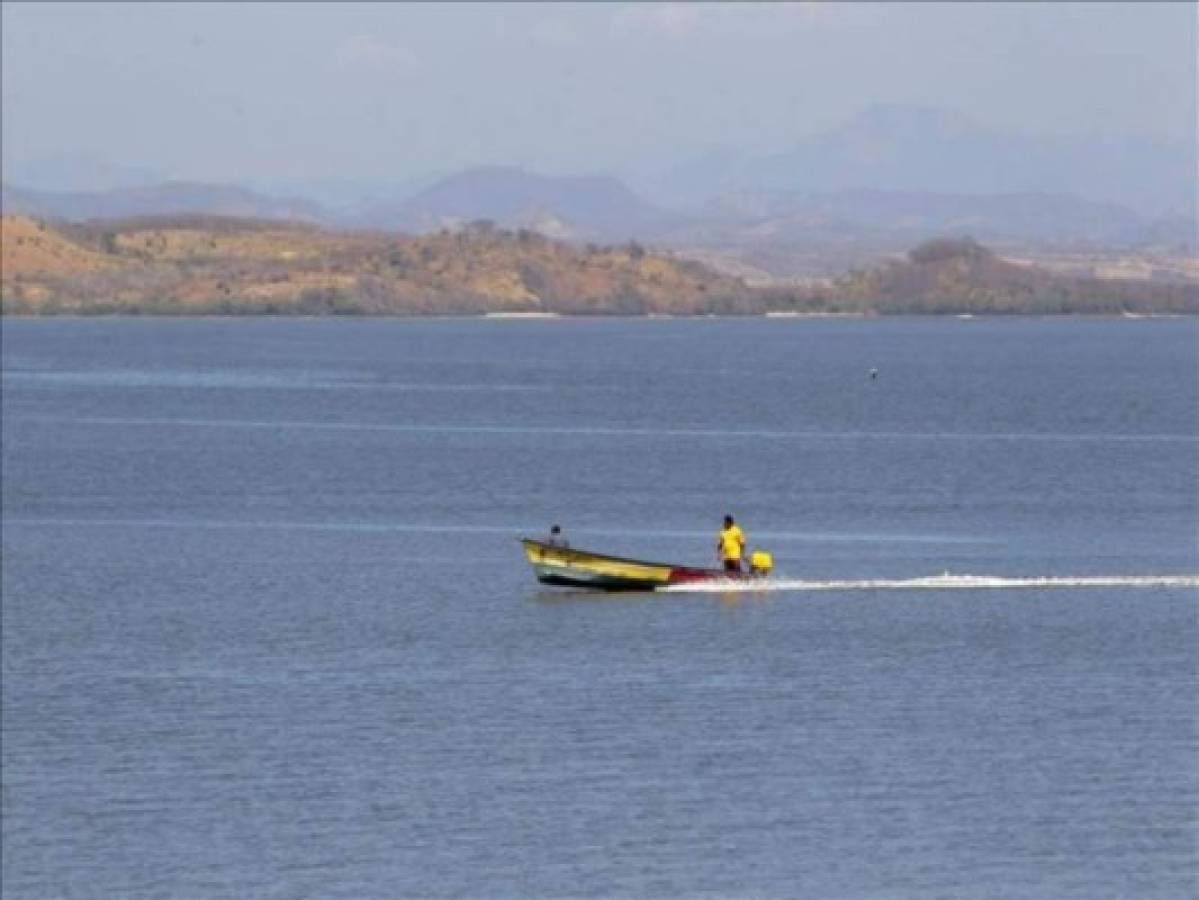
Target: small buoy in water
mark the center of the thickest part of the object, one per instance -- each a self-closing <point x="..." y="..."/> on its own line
<point x="874" y="373"/>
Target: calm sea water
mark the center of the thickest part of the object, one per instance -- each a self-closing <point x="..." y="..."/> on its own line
<point x="267" y="631"/>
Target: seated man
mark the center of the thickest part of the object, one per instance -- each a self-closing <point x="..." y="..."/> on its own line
<point x="556" y="538"/>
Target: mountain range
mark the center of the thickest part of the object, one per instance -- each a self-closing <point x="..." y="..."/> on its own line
<point x="889" y="178"/>
<point x="167" y="198"/>
<point x="588" y="206"/>
<point x="923" y="150"/>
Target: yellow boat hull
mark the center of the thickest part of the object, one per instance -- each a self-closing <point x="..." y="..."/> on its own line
<point x="580" y="568"/>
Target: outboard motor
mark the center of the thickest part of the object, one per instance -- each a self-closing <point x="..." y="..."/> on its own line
<point x="760" y="563"/>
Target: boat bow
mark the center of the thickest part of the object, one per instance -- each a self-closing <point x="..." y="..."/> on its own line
<point x="569" y="567"/>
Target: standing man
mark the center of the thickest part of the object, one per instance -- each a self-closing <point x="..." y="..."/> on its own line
<point x="731" y="545"/>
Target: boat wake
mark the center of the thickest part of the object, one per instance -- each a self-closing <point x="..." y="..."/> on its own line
<point x="941" y="582"/>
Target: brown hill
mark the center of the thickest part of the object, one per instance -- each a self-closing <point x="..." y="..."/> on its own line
<point x="29" y="248"/>
<point x="200" y="264"/>
<point x="952" y="275"/>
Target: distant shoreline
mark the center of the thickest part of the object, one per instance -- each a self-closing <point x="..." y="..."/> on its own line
<point x="195" y="266"/>
<point x="602" y="317"/>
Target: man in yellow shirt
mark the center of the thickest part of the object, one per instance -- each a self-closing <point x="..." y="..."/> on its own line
<point x="731" y="545"/>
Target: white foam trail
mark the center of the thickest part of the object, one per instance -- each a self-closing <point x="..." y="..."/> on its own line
<point x="943" y="582"/>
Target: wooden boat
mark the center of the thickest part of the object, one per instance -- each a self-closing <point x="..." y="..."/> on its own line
<point x="581" y="568"/>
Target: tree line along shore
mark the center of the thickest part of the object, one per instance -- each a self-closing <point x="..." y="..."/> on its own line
<point x="205" y="266"/>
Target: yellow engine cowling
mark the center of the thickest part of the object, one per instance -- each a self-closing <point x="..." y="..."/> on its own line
<point x="761" y="562"/>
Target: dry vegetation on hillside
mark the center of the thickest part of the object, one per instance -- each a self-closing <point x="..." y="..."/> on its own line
<point x="237" y="266"/>
<point x="959" y="275"/>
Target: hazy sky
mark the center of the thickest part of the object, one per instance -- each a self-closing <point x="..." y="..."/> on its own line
<point x="227" y="91"/>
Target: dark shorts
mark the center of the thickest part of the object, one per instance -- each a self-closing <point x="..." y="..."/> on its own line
<point x="732" y="565"/>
